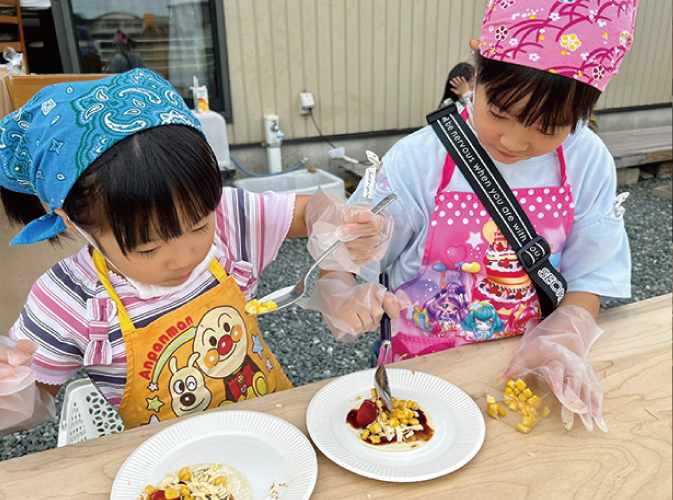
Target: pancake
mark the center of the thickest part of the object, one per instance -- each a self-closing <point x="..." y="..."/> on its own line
<point x="210" y="480"/>
<point x="377" y="429"/>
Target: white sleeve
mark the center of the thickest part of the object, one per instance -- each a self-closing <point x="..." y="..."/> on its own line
<point x="596" y="258"/>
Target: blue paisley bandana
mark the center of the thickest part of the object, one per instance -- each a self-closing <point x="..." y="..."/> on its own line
<point x="47" y="144"/>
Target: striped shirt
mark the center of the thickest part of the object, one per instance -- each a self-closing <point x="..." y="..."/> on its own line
<point x="250" y="229"/>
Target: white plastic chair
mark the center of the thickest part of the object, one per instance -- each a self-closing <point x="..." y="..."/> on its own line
<point x="86" y="414"/>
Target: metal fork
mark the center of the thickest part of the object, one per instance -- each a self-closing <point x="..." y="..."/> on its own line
<point x="290" y="294"/>
<point x="381" y="375"/>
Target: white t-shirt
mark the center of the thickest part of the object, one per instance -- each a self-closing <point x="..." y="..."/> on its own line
<point x="596" y="258"/>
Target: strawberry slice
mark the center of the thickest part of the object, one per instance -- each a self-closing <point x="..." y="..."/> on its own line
<point x="367" y="413"/>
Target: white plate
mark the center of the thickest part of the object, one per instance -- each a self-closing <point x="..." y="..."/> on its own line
<point x="459" y="427"/>
<point x="264" y="448"/>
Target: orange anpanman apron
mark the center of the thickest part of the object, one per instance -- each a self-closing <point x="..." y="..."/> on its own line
<point x="207" y="353"/>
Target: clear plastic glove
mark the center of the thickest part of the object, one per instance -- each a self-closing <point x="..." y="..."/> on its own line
<point x="556" y="349"/>
<point x="350" y="309"/>
<point x="14" y="63"/>
<point x="367" y="236"/>
<point x="22" y="403"/>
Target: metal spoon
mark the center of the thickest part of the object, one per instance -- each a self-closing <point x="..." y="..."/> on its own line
<point x="381" y="376"/>
<point x="290" y="294"/>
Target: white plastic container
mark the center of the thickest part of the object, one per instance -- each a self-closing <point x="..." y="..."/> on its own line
<point x="215" y="129"/>
<point x="299" y="182"/>
<point x="86" y="414"/>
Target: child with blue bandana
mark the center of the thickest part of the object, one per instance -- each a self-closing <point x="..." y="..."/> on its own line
<point x="154" y="307"/>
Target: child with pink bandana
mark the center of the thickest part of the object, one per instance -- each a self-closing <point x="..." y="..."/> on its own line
<point x="541" y="66"/>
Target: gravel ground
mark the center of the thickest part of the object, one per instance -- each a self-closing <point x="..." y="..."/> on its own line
<point x="308" y="352"/>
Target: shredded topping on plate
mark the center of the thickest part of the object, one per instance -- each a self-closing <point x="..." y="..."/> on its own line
<point x="200" y="482"/>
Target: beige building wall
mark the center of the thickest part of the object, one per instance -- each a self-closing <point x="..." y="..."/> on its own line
<point x="375" y="65"/>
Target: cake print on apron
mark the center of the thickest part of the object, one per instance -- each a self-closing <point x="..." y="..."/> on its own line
<point x="471" y="286"/>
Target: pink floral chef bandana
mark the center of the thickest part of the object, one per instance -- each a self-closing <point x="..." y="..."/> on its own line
<point x="582" y="39"/>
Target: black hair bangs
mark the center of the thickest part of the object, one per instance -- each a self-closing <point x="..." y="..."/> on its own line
<point x="147" y="186"/>
<point x="553" y="101"/>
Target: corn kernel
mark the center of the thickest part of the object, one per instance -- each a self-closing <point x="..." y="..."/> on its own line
<point x="414" y="406"/>
<point x="403" y="404"/>
<point x="520" y="384"/>
<point x="365" y="434"/>
<point x="375" y="439"/>
<point x="510" y="384"/>
<point x="516" y="391"/>
<point x="188" y="498"/>
<point x="272" y="305"/>
<point x="523" y="428"/>
<point x="384" y="416"/>
<point x="184" y="474"/>
<point x="150" y="490"/>
<point x="525" y="411"/>
<point x="379" y="403"/>
<point x="255" y="302"/>
<point x="414" y="421"/>
<point x="534" y="399"/>
<point x="527" y="421"/>
<point x="546" y="412"/>
<point x="394" y="422"/>
<point x="513" y="405"/>
<point x="409" y="414"/>
<point x="396" y="404"/>
<point x="220" y="480"/>
<point x="375" y="394"/>
<point x="404" y="421"/>
<point x="533" y="420"/>
<point x="508" y="391"/>
<point x="171" y="494"/>
<point x="522" y="398"/>
<point x="184" y="491"/>
<point x="490" y="399"/>
<point x="493" y="406"/>
<point x="532" y="410"/>
<point x="501" y="411"/>
<point x="493" y="413"/>
<point x="375" y="428"/>
<point x="527" y="392"/>
<point x="400" y="414"/>
<point x="409" y="404"/>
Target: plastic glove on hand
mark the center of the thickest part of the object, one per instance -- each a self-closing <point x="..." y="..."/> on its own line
<point x="22" y="404"/>
<point x="350" y="309"/>
<point x="556" y="349"/>
<point x="367" y="236"/>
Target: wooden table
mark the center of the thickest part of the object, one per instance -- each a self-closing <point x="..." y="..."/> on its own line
<point x="632" y="461"/>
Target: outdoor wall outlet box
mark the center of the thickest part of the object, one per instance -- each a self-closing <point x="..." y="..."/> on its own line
<point x="306" y="102"/>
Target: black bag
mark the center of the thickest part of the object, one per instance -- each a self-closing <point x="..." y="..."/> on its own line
<point x="488" y="184"/>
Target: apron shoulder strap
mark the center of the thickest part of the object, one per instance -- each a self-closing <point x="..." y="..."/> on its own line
<point x="102" y="270"/>
<point x="218" y="271"/>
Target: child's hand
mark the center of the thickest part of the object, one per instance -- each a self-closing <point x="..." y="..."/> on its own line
<point x="367" y="236"/>
<point x="460" y="86"/>
<point x="16" y="353"/>
<point x="556" y="350"/>
<point x="350" y="309"/>
<point x="22" y="404"/>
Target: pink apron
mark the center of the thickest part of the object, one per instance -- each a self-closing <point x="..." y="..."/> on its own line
<point x="471" y="286"/>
